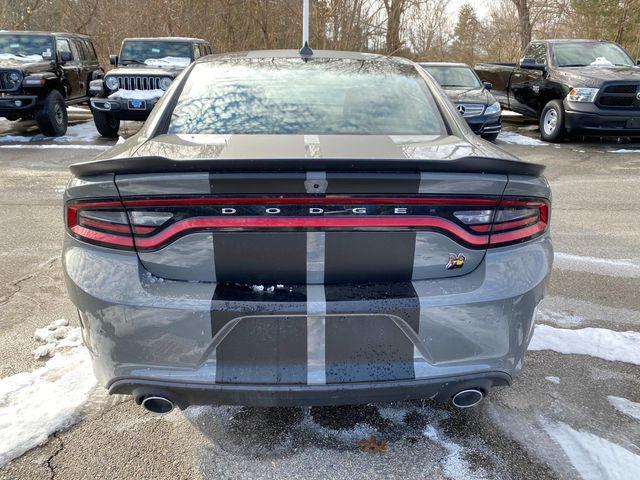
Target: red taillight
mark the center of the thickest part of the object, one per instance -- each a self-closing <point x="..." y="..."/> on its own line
<point x="518" y="220"/>
<point x="100" y="222"/>
<point x="151" y="223"/>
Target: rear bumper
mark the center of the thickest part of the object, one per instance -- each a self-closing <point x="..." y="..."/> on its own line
<point x="200" y="343"/>
<point x="186" y="394"/>
<point x="589" y="119"/>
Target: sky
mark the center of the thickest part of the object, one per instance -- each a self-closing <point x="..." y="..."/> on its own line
<point x="481" y="6"/>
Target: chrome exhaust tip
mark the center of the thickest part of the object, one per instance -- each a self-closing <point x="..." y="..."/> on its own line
<point x="467" y="398"/>
<point x="157" y="405"/>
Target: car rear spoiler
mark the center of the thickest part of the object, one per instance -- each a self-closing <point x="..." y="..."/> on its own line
<point x="167" y="165"/>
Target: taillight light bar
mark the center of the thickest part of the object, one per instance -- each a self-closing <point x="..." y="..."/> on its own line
<point x="151" y="223"/>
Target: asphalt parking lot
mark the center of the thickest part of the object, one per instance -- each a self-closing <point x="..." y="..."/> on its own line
<point x="569" y="415"/>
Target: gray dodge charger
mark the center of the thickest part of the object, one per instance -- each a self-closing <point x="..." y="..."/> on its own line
<point x="295" y="229"/>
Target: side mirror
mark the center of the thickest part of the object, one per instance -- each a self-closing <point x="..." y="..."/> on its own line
<point x="638" y="61"/>
<point x="530" y="64"/>
<point x="487" y="85"/>
<point x="113" y="59"/>
<point x="65" y="57"/>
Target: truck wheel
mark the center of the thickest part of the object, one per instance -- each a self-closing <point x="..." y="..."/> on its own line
<point x="552" y="122"/>
<point x="51" y="115"/>
<point x="106" y="124"/>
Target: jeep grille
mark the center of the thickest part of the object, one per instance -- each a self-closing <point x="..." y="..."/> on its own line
<point x="138" y="82"/>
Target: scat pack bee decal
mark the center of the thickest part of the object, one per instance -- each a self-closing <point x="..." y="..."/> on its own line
<point x="455" y="261"/>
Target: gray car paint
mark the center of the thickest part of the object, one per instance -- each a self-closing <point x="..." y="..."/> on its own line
<point x="329" y="328"/>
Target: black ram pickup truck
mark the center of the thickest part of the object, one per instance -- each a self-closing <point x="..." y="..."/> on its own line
<point x="144" y="70"/>
<point x="42" y="73"/>
<point x="573" y="87"/>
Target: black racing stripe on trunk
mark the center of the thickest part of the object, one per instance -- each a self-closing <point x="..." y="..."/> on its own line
<point x="367" y="348"/>
<point x="363" y="257"/>
<point x="255" y="183"/>
<point x="261" y="258"/>
<point x="375" y="183"/>
<point x="269" y="347"/>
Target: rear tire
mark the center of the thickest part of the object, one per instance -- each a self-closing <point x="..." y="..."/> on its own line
<point x="552" y="122"/>
<point x="491" y="136"/>
<point x="106" y="124"/>
<point x="51" y="115"/>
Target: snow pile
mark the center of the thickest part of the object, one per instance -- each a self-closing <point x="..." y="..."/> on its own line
<point x="517" y="139"/>
<point x="595" y="342"/>
<point x="171" y="62"/>
<point x="625" y="406"/>
<point x="18" y="58"/>
<point x="82" y="132"/>
<point x="33" y="405"/>
<point x="55" y="336"/>
<point x="552" y="379"/>
<point x="137" y="94"/>
<point x="594" y="457"/>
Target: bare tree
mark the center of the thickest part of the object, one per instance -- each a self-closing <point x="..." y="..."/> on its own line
<point x="524" y="18"/>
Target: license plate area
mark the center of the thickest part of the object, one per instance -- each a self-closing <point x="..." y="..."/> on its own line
<point x="137" y="105"/>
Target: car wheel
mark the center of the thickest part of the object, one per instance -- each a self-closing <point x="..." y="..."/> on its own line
<point x="491" y="136"/>
<point x="552" y="122"/>
<point x="51" y="115"/>
<point x="106" y="124"/>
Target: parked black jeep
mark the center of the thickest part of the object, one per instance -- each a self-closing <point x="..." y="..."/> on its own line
<point x="144" y="70"/>
<point x="42" y="73"/>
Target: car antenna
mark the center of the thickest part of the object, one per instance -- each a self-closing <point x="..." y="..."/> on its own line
<point x="305" y="51"/>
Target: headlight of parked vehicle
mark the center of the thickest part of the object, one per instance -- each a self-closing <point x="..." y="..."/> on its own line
<point x="492" y="109"/>
<point x="111" y="83"/>
<point x="582" y="94"/>
<point x="165" y="82"/>
<point x="12" y="80"/>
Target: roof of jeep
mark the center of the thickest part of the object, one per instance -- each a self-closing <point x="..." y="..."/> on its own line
<point x="36" y="32"/>
<point x="166" y="39"/>
<point x="323" y="54"/>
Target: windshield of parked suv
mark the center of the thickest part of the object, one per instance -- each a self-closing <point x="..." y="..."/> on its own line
<point x="584" y="54"/>
<point x="291" y="96"/>
<point x="156" y="53"/>
<point x="26" y="48"/>
<point x="453" y="77"/>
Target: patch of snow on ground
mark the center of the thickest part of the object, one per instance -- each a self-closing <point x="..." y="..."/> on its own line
<point x="33" y="405"/>
<point x="595" y="342"/>
<point x="594" y="457"/>
<point x="602" y="266"/>
<point x="552" y="379"/>
<point x="625" y="406"/>
<point x="454" y="465"/>
<point x="137" y="94"/>
<point x="625" y="150"/>
<point x="559" y="318"/>
<point x="82" y="132"/>
<point x="517" y="139"/>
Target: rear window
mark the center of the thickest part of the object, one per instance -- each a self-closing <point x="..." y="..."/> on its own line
<point x="290" y="96"/>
